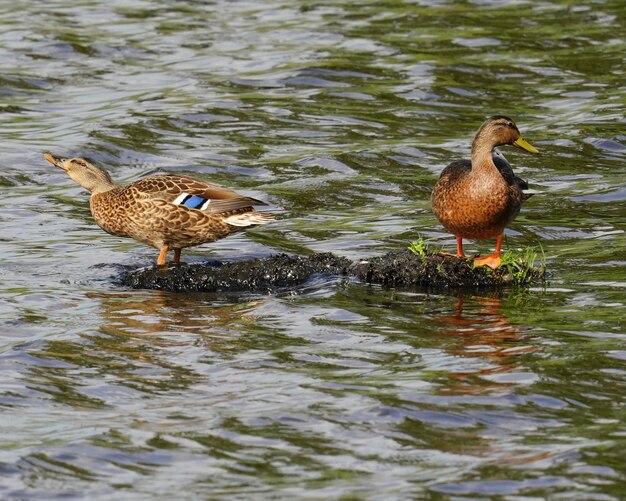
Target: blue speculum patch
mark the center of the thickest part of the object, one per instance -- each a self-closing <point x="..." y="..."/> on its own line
<point x="194" y="202"/>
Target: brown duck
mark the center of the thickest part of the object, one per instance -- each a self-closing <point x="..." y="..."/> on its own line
<point x="478" y="198"/>
<point x="165" y="211"/>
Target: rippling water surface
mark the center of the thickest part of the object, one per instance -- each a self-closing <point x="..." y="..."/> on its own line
<point x="341" y="114"/>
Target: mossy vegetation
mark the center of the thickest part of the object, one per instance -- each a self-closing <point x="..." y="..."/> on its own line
<point x="517" y="268"/>
<point x="521" y="265"/>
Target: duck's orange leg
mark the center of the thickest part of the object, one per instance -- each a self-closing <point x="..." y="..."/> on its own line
<point x="493" y="260"/>
<point x="177" y="256"/>
<point x="162" y="259"/>
<point x="459" y="246"/>
<point x="459" y="249"/>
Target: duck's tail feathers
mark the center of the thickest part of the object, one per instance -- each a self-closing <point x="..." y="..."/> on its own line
<point x="250" y="218"/>
<point x="527" y="193"/>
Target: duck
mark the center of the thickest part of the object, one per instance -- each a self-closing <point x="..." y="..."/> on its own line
<point x="478" y="198"/>
<point x="165" y="211"/>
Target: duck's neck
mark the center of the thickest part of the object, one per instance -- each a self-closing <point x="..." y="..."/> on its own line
<point x="482" y="154"/>
<point x="104" y="187"/>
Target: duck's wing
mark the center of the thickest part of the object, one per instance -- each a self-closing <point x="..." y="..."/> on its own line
<point x="455" y="170"/>
<point x="192" y="193"/>
<point x="507" y="173"/>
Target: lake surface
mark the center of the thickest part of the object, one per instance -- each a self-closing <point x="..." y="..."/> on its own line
<point x="341" y="115"/>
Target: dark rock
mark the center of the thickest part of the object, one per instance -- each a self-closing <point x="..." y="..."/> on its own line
<point x="257" y="275"/>
<point x="403" y="269"/>
<point x="407" y="269"/>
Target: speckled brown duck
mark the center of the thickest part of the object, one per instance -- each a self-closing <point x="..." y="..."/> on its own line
<point x="165" y="211"/>
<point x="478" y="198"/>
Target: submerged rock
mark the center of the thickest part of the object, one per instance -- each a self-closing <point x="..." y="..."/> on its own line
<point x="403" y="269"/>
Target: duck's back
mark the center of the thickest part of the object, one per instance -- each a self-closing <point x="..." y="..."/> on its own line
<point x="171" y="188"/>
<point x="173" y="209"/>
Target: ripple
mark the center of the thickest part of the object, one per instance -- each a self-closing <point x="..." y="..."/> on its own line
<point x="342" y="115"/>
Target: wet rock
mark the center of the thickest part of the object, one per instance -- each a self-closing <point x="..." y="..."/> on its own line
<point x="407" y="269"/>
<point x="257" y="275"/>
<point x="402" y="269"/>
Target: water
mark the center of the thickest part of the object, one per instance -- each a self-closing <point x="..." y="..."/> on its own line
<point x="341" y="114"/>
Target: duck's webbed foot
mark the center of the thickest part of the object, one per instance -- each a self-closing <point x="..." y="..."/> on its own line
<point x="493" y="261"/>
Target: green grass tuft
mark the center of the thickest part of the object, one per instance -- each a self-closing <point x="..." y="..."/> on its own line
<point x="521" y="265"/>
<point x="423" y="247"/>
<point x="419" y="247"/>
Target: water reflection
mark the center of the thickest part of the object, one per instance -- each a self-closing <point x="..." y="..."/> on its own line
<point x="484" y="332"/>
<point x="140" y="341"/>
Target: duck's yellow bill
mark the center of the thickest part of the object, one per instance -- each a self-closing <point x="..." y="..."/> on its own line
<point x="50" y="158"/>
<point x="56" y="161"/>
<point x="520" y="143"/>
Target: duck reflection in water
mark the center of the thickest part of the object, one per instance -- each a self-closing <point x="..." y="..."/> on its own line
<point x="482" y="331"/>
<point x="145" y="341"/>
<point x="174" y="320"/>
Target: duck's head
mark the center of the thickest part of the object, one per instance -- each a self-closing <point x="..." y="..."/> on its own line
<point x="500" y="130"/>
<point x="83" y="172"/>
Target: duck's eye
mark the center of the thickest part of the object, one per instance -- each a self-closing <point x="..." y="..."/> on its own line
<point x="510" y="124"/>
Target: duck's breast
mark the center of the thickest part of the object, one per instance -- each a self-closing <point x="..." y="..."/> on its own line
<point x="474" y="206"/>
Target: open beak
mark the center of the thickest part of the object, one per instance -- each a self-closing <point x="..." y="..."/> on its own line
<point x="523" y="145"/>
<point x="56" y="161"/>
